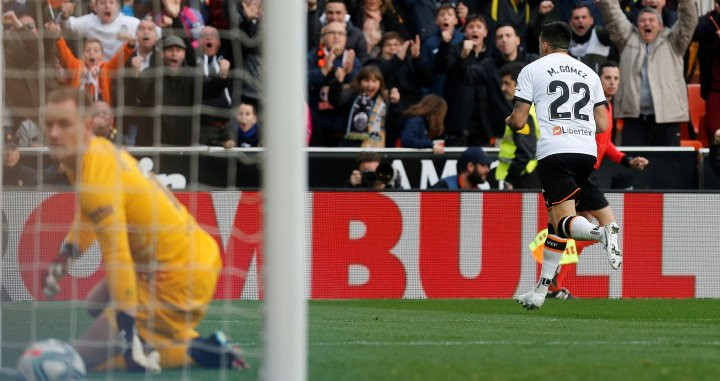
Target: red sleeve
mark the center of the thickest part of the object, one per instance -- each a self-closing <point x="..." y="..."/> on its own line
<point x="612" y="152"/>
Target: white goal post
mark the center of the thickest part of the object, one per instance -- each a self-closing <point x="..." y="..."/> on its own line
<point x="284" y="186"/>
<point x="2" y="155"/>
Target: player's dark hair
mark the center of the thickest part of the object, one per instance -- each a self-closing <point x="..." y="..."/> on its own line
<point x="608" y="63"/>
<point x="557" y="34"/>
<point x="512" y="69"/>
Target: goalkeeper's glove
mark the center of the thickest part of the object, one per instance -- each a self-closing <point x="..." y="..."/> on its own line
<point x="57" y="269"/>
<point x="138" y="356"/>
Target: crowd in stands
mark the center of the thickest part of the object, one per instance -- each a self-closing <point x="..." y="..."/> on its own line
<point x="381" y="73"/>
<point x="173" y="72"/>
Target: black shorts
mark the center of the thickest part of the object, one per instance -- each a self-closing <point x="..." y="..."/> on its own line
<point x="562" y="176"/>
<point x="591" y="197"/>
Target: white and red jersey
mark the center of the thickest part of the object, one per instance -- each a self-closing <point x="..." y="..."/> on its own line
<point x="565" y="92"/>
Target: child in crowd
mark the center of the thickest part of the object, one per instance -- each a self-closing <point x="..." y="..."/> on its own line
<point x="104" y="24"/>
<point x="243" y="130"/>
<point x="92" y="73"/>
<point x="373" y="113"/>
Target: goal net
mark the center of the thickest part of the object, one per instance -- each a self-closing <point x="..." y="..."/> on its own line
<point x="176" y="85"/>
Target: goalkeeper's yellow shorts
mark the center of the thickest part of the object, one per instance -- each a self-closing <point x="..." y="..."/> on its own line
<point x="174" y="304"/>
<point x="170" y="307"/>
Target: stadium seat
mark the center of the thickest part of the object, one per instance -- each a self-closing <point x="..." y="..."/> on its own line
<point x="691" y="143"/>
<point x="696" y="104"/>
<point x="685" y="131"/>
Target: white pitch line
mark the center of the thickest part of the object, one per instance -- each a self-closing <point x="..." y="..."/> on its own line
<point x="495" y="342"/>
<point x="505" y="342"/>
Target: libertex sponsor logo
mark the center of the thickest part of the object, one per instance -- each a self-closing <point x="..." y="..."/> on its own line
<point x="557" y="130"/>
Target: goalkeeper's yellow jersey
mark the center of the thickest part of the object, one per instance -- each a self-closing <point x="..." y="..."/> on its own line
<point x="146" y="236"/>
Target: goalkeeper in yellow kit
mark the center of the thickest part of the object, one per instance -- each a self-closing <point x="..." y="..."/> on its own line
<point x="161" y="266"/>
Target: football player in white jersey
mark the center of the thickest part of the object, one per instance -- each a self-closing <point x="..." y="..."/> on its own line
<point x="570" y="106"/>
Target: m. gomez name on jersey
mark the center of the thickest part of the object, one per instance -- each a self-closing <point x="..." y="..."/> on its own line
<point x="567" y="69"/>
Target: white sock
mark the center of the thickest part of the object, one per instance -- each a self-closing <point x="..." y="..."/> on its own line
<point x="551" y="261"/>
<point x="583" y="230"/>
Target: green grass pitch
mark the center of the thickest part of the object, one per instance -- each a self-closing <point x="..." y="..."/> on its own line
<point x="589" y="339"/>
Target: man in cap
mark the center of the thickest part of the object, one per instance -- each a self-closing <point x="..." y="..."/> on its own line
<point x="178" y="92"/>
<point x="473" y="168"/>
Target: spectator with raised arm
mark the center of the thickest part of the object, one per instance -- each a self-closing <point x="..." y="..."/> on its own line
<point x="179" y="93"/>
<point x="177" y="17"/>
<point x="376" y="17"/>
<point x="590" y="43"/>
<point x="215" y="108"/>
<point x="323" y="65"/>
<point x="418" y="16"/>
<point x="446" y="20"/>
<point x="669" y="16"/>
<point x="22" y="58"/>
<point x="92" y="73"/>
<point x="372" y="111"/>
<point x="20" y="50"/>
<point x="472" y="89"/>
<point x="105" y="25"/>
<point x="652" y="97"/>
<point x="336" y="11"/>
<point x="515" y="12"/>
<point x="251" y="62"/>
<point x="137" y="124"/>
<point x="403" y="67"/>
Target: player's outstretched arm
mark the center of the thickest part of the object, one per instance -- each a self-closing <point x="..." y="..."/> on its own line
<point x="601" y="121"/>
<point x="519" y="116"/>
